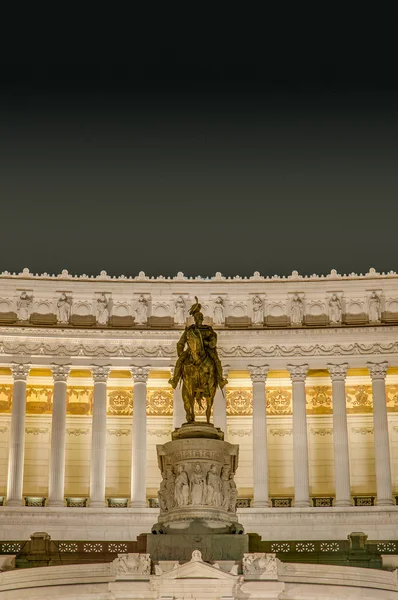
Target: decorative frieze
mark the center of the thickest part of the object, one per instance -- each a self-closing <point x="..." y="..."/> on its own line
<point x="159" y="401"/>
<point x="36" y="430"/>
<point x="77" y="431"/>
<point x="280" y="432"/>
<point x="322" y="431"/>
<point x="239" y="401"/>
<point x="119" y="432"/>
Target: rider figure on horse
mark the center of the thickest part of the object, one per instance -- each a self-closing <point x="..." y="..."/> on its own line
<point x="209" y="338"/>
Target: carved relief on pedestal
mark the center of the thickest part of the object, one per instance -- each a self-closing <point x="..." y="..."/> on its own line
<point x="198" y="480"/>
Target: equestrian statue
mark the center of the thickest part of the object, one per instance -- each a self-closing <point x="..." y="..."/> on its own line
<point x="198" y="365"/>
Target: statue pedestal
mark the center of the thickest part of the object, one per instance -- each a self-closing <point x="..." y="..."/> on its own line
<point x="197" y="497"/>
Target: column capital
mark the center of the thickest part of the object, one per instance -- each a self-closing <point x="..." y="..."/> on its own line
<point x="258" y="373"/>
<point x="377" y="370"/>
<point x="140" y="374"/>
<point x="297" y="372"/>
<point x="19" y="371"/>
<point x="100" y="373"/>
<point x="337" y="372"/>
<point x="60" y="372"/>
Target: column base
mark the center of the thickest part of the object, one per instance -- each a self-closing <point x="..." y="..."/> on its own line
<point x="138" y="504"/>
<point x="302" y="504"/>
<point x="385" y="502"/>
<point x="261" y="504"/>
<point x="343" y="503"/>
<point x="15" y="502"/>
<point x="55" y="503"/>
<point x="97" y="504"/>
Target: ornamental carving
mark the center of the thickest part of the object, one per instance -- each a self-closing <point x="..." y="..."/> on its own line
<point x="79" y="400"/>
<point x="377" y="370"/>
<point x="338" y="372"/>
<point x="279" y="401"/>
<point x="298" y="373"/>
<point x="20" y="372"/>
<point x="359" y="399"/>
<point x="159" y="401"/>
<point x="100" y="373"/>
<point x="322" y="431"/>
<point x="281" y="432"/>
<point x="39" y="400"/>
<point x="239" y="401"/>
<point x="76" y="431"/>
<point x="5" y="398"/>
<point x="36" y="430"/>
<point x="392" y="398"/>
<point x="362" y="430"/>
<point x="119" y="432"/>
<point x="120" y="401"/>
<point x="319" y="400"/>
<point x="258" y="374"/>
<point x="140" y="374"/>
<point x="131" y="564"/>
<point x="261" y="565"/>
<point x="60" y="372"/>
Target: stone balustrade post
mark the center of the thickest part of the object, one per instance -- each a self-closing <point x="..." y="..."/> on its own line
<point x="20" y="374"/>
<point x="298" y="374"/>
<point x="139" y="433"/>
<point x="220" y="406"/>
<point x="378" y="372"/>
<point x="98" y="437"/>
<point x="340" y="435"/>
<point x="56" y="481"/>
<point x="258" y="375"/>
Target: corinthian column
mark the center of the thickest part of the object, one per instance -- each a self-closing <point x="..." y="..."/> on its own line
<point x="378" y="373"/>
<point x="58" y="431"/>
<point x="98" y="438"/>
<point x="178" y="405"/>
<point x="138" y="456"/>
<point x="258" y="376"/>
<point x="340" y="435"/>
<point x="17" y="435"/>
<point x="298" y="374"/>
<point x="220" y="407"/>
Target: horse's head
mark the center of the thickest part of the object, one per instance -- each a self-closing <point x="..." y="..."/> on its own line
<point x="195" y="344"/>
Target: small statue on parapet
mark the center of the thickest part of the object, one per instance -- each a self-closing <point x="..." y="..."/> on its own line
<point x="198" y="365"/>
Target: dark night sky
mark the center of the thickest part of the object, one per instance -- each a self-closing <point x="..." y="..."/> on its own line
<point x="267" y="150"/>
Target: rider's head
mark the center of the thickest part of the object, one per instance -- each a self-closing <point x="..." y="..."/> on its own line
<point x="198" y="316"/>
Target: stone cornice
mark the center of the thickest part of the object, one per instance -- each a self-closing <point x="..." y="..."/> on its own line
<point x="180" y="277"/>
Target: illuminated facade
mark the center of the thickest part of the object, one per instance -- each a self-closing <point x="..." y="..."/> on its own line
<point x="312" y="401"/>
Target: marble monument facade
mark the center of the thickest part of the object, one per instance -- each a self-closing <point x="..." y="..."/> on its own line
<point x="312" y="398"/>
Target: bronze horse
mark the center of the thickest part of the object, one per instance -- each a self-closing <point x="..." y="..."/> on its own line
<point x="199" y="379"/>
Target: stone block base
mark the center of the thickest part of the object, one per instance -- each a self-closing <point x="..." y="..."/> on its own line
<point x="213" y="546"/>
